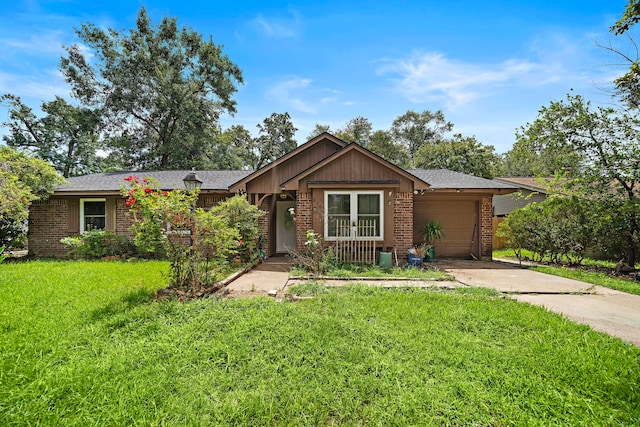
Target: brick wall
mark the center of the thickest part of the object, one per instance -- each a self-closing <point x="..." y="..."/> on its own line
<point x="486" y="227"/>
<point x="124" y="219"/>
<point x="304" y="218"/>
<point x="48" y="223"/>
<point x="403" y="223"/>
<point x="263" y="223"/>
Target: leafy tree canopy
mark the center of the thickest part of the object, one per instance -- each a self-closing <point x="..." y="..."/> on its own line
<point x="382" y="144"/>
<point x="160" y="89"/>
<point x="412" y="130"/>
<point x="357" y="130"/>
<point x="630" y="17"/>
<point x="460" y="154"/>
<point x="23" y="179"/>
<point x="602" y="147"/>
<point x="318" y="129"/>
<point x="67" y="135"/>
<point x="276" y="138"/>
<point x="542" y="148"/>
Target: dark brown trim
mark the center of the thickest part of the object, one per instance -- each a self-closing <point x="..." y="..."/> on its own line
<point x="292" y="183"/>
<point x="241" y="184"/>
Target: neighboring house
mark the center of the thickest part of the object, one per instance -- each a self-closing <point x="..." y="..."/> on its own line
<point x="530" y="190"/>
<point x="326" y="181"/>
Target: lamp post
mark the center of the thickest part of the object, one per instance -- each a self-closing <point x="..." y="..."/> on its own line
<point x="191" y="182"/>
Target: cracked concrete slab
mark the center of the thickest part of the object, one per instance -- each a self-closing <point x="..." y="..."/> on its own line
<point x="606" y="310"/>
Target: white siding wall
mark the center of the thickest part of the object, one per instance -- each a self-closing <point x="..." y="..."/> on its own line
<point x="503" y="205"/>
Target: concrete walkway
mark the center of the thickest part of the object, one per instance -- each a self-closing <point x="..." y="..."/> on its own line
<point x="272" y="278"/>
<point x="269" y="277"/>
<point x="605" y="310"/>
<point x="613" y="312"/>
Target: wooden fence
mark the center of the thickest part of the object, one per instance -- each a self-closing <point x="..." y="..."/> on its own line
<point x="356" y="244"/>
<point x="498" y="242"/>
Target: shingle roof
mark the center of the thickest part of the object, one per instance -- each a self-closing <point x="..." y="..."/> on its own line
<point x="443" y="178"/>
<point x="169" y="180"/>
<point x="221" y="180"/>
<point x="534" y="184"/>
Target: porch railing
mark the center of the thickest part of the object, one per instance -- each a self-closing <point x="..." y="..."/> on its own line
<point x="356" y="243"/>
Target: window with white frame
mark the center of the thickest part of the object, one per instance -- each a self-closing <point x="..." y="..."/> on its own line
<point x="93" y="214"/>
<point x="353" y="214"/>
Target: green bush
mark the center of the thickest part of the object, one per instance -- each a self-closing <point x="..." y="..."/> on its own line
<point x="96" y="244"/>
<point x="559" y="228"/>
<point x="242" y="216"/>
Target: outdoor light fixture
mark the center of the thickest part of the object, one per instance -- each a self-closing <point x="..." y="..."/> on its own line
<point x="192" y="181"/>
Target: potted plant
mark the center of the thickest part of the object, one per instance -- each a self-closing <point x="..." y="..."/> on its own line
<point x="431" y="231"/>
<point x="416" y="255"/>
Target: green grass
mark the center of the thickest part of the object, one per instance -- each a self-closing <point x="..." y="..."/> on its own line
<point x="528" y="255"/>
<point x="585" y="273"/>
<point x="349" y="271"/>
<point x="593" y="277"/>
<point x="85" y="344"/>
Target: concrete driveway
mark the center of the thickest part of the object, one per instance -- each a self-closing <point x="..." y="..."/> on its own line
<point x="605" y="310"/>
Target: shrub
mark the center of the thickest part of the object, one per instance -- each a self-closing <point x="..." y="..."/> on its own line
<point x="97" y="244"/>
<point x="199" y="244"/>
<point x="315" y="258"/>
<point x="559" y="228"/>
<point x="242" y="216"/>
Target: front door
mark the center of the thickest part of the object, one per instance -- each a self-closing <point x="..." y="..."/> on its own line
<point x="285" y="226"/>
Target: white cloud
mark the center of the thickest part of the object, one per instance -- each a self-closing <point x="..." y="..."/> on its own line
<point x="288" y="27"/>
<point x="425" y="77"/>
<point x="287" y="92"/>
<point x="294" y="92"/>
<point x="556" y="59"/>
<point x="45" y="89"/>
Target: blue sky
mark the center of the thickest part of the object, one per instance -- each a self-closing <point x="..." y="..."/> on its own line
<point x="489" y="65"/>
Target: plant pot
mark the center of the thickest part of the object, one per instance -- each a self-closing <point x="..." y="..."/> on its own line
<point x="415" y="259"/>
<point x="431" y="254"/>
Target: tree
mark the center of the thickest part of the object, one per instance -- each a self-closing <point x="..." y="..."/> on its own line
<point x="412" y="130"/>
<point x="356" y="130"/>
<point x="607" y="143"/>
<point x="200" y="244"/>
<point x="67" y="136"/>
<point x="277" y="137"/>
<point x="541" y="149"/>
<point x="233" y="149"/>
<point x="23" y="179"/>
<point x="382" y="144"/>
<point x="460" y="154"/>
<point x="161" y="90"/>
<point x="630" y="17"/>
<point x="628" y="85"/>
<point x="318" y="129"/>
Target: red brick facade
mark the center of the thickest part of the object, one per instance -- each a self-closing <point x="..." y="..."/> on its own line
<point x="124" y="219"/>
<point x="486" y="227"/>
<point x="403" y="223"/>
<point x="304" y="218"/>
<point x="263" y="222"/>
<point x="48" y="223"/>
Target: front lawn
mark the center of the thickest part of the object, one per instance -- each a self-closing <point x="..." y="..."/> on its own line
<point x="350" y="271"/>
<point x="86" y="344"/>
<point x="592" y="271"/>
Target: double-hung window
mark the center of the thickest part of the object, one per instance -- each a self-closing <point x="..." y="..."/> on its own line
<point x="351" y="214"/>
<point x="93" y="214"/>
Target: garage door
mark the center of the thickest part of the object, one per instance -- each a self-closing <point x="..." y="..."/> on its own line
<point x="457" y="218"/>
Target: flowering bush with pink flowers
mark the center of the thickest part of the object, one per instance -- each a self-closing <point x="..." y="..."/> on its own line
<point x="199" y="244"/>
